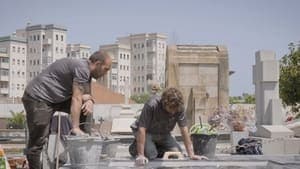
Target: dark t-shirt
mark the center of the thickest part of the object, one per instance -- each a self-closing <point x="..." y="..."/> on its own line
<point x="55" y="83"/>
<point x="156" y="120"/>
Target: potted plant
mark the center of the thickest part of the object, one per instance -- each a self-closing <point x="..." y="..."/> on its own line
<point x="204" y="138"/>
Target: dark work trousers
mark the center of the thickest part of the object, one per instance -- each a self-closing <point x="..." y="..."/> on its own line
<point x="39" y="115"/>
<point x="156" y="145"/>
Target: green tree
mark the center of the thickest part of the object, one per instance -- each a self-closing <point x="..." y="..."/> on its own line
<point x="141" y="99"/>
<point x="249" y="99"/>
<point x="17" y="121"/>
<point x="289" y="82"/>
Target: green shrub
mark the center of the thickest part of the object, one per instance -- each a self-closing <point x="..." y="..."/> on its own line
<point x="17" y="121"/>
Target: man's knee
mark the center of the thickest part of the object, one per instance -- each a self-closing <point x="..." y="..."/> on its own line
<point x="151" y="152"/>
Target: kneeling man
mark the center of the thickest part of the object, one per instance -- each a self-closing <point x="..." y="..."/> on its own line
<point x="153" y="128"/>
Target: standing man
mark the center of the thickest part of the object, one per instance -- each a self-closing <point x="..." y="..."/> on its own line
<point x="64" y="86"/>
<point x="153" y="128"/>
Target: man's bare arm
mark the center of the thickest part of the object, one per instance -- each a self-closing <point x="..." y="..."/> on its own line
<point x="76" y="104"/>
<point x="141" y="137"/>
<point x="187" y="141"/>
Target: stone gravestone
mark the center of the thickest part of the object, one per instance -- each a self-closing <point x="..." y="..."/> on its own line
<point x="265" y="79"/>
<point x="276" y="138"/>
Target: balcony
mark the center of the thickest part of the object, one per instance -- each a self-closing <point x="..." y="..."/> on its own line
<point x="4" y="65"/>
<point x="151" y="49"/>
<point x="47" y="41"/>
<point x="47" y="54"/>
<point x="4" y="78"/>
<point x="3" y="90"/>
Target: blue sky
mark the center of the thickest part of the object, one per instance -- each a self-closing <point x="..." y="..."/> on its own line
<point x="244" y="26"/>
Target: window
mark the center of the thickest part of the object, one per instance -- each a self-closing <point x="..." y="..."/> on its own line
<point x="33" y="62"/>
<point x="120" y="55"/>
<point x="56" y="49"/>
<point x="14" y="49"/>
<point x="18" y="61"/>
<point x="23" y="50"/>
<point x="34" y="51"/>
<point x="38" y="37"/>
<point x="62" y="38"/>
<point x="134" y="45"/>
<point x="38" y="62"/>
<point x="34" y="37"/>
<point x="43" y="36"/>
<point x="61" y="50"/>
<point x="23" y="62"/>
<point x="56" y="37"/>
<point x="142" y="45"/>
<point x="19" y="49"/>
<point x="127" y="57"/>
<point x="30" y="74"/>
<point x="30" y="62"/>
<point x="127" y="67"/>
<point x="142" y="56"/>
<point x="13" y="61"/>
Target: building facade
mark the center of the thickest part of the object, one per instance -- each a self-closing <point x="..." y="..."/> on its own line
<point x="140" y="59"/>
<point x="119" y="77"/>
<point x="78" y="51"/>
<point x="45" y="44"/>
<point x="13" y="52"/>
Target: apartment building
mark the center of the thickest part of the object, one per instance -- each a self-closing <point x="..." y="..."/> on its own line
<point x="118" y="79"/>
<point x="45" y="44"/>
<point x="138" y="58"/>
<point x="13" y="51"/>
<point x="148" y="60"/>
<point x="78" y="51"/>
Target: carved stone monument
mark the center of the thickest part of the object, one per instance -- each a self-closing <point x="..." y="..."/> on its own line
<point x="276" y="137"/>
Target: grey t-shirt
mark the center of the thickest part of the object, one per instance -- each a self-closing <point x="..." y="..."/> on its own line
<point x="157" y="120"/>
<point x="55" y="83"/>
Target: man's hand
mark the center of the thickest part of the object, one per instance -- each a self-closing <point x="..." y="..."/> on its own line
<point x="87" y="107"/>
<point x="141" y="160"/>
<point x="196" y="157"/>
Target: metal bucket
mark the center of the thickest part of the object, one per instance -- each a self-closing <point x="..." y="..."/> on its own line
<point x="84" y="150"/>
<point x="109" y="148"/>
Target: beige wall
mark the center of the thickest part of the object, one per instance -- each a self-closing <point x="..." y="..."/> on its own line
<point x="203" y="68"/>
